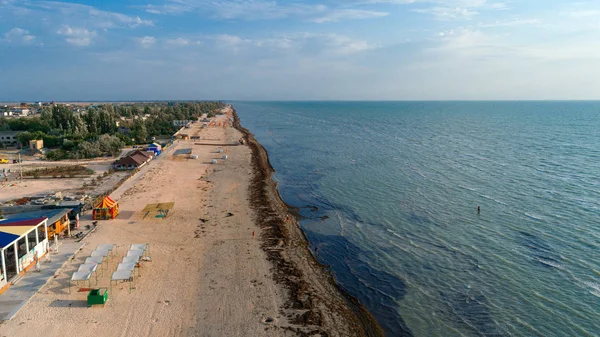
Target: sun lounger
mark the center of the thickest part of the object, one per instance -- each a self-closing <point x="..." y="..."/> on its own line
<point x="80" y="276"/>
<point x="97" y="260"/>
<point x="121" y="275"/>
<point x="130" y="259"/>
<point x="110" y="247"/>
<point x="126" y="266"/>
<point x="135" y="252"/>
<point x="102" y="253"/>
<point x="141" y="246"/>
<point x="94" y="259"/>
<point x="90" y="267"/>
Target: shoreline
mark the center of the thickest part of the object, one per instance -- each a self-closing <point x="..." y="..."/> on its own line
<point x="282" y="230"/>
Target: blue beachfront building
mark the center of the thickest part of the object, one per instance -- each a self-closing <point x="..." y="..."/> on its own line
<point x="154" y="147"/>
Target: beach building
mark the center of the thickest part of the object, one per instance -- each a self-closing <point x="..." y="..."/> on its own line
<point x="9" y="137"/>
<point x="36" y="145"/>
<point x="132" y="161"/>
<point x="75" y="207"/>
<point x="58" y="219"/>
<point x="22" y="243"/>
<point x="182" y="122"/>
<point x="107" y="209"/>
<point x="154" y="147"/>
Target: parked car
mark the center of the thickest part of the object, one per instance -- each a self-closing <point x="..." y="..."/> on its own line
<point x="4" y="161"/>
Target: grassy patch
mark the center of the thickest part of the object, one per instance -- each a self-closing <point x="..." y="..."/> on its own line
<point x="60" y="171"/>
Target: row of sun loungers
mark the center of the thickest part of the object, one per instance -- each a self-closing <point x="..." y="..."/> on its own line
<point x="126" y="269"/>
<point x="102" y="253"/>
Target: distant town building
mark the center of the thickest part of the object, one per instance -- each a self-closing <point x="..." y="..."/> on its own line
<point x="38" y="103"/>
<point x="181" y="122"/>
<point x="9" y="137"/>
<point x="124" y="130"/>
<point x="36" y="145"/>
<point x="20" y="111"/>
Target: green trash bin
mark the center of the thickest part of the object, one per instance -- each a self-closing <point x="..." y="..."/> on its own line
<point x="97" y="296"/>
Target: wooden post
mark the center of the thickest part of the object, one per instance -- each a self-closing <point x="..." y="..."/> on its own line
<point x="3" y="266"/>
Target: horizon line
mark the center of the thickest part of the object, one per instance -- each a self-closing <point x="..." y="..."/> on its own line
<point x="300" y="100"/>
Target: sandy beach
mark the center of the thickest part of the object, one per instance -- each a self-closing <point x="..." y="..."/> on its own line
<point x="228" y="260"/>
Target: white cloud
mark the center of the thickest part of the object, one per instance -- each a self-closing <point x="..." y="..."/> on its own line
<point x="299" y="43"/>
<point x="584" y="13"/>
<point x="346" y="14"/>
<point x="18" y="35"/>
<point x="146" y="41"/>
<point x="63" y="12"/>
<point x="77" y="36"/>
<point x="180" y="42"/>
<point x="263" y="10"/>
<point x="446" y="13"/>
<point x="511" y="23"/>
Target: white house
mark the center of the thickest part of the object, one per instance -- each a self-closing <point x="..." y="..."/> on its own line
<point x="22" y="243"/>
<point x="21" y="111"/>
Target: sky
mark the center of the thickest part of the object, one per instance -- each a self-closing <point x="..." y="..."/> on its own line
<point x="299" y="50"/>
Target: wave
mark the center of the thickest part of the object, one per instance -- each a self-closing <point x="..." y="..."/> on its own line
<point x="468" y="188"/>
<point x="493" y="199"/>
<point x="551" y="263"/>
<point x="534" y="216"/>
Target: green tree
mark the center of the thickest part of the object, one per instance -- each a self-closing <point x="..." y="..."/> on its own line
<point x="110" y="144"/>
<point x="138" y="131"/>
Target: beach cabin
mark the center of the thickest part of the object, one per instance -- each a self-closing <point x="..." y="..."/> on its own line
<point x="154" y="147"/>
<point x="58" y="219"/>
<point x="22" y="243"/>
<point x="107" y="209"/>
<point x="131" y="162"/>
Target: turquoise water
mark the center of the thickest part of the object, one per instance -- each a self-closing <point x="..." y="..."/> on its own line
<point x="396" y="187"/>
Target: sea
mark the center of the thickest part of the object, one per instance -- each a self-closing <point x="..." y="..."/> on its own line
<point x="389" y="193"/>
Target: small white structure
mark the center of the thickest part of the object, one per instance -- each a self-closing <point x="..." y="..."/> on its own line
<point x="21" y="111"/>
<point x="224" y="157"/>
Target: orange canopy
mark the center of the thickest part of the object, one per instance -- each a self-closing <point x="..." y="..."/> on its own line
<point x="106" y="203"/>
<point x="107" y="209"/>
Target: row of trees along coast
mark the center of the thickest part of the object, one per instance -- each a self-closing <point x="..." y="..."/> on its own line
<point x="103" y="129"/>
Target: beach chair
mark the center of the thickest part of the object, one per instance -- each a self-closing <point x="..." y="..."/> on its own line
<point x="90" y="267"/>
<point x="128" y="266"/>
<point x="130" y="259"/>
<point x="135" y="253"/>
<point x="110" y="247"/>
<point x="106" y="252"/>
<point x="80" y="276"/>
<point x="103" y="253"/>
<point x="122" y="275"/>
<point x="97" y="260"/>
<point x="145" y="247"/>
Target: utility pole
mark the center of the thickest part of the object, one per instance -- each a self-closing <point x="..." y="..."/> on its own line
<point x="20" y="166"/>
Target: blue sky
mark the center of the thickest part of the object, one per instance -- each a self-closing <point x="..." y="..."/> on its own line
<point x="299" y="50"/>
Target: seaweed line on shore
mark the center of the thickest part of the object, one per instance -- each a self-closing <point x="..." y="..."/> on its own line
<point x="286" y="247"/>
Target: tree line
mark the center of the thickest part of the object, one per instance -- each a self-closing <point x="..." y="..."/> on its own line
<point x="103" y="129"/>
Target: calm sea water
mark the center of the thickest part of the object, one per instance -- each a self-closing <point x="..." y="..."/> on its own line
<point x="396" y="187"/>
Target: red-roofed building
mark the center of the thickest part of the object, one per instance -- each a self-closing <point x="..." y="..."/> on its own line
<point x="132" y="161"/>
